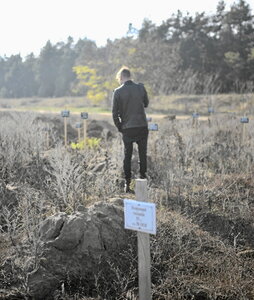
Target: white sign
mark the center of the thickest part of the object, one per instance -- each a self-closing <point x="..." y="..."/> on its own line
<point x="153" y="127"/>
<point x="140" y="216"/>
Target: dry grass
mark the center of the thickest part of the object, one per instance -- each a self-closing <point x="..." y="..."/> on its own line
<point x="188" y="104"/>
<point x="201" y="179"/>
<point x="179" y="104"/>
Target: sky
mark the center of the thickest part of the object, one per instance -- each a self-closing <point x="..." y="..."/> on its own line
<point x="26" y="25"/>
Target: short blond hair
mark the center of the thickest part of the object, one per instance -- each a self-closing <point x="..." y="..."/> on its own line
<point x="123" y="72"/>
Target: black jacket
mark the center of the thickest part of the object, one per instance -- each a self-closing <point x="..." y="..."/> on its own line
<point x="129" y="102"/>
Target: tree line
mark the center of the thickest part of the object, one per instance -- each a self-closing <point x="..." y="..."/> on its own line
<point x="184" y="54"/>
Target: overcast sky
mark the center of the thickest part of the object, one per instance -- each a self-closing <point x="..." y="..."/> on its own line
<point x="26" y="25"/>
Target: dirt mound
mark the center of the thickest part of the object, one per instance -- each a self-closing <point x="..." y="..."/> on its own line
<point x="95" y="128"/>
<point x="101" y="129"/>
<point x="72" y="245"/>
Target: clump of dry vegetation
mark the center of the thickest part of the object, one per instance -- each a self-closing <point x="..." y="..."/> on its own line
<point x="201" y="179"/>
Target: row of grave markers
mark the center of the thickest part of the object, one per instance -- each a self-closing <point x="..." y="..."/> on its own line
<point x="243" y="120"/>
<point x="211" y="111"/>
<point x="151" y="126"/>
<point x="84" y="115"/>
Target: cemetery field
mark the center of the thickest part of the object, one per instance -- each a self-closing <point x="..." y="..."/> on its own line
<point x="200" y="176"/>
<point x="172" y="104"/>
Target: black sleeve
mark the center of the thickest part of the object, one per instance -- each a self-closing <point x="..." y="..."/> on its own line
<point x="145" y="99"/>
<point x="116" y="111"/>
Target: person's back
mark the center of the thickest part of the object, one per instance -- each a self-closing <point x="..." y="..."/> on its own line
<point x="129" y="102"/>
<point x="132" y="99"/>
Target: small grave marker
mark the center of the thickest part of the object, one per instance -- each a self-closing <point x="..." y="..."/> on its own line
<point x="195" y="117"/>
<point x="210" y="110"/>
<point x="244" y="120"/>
<point x="141" y="216"/>
<point x="153" y="127"/>
<point x="65" y="114"/>
<point x="84" y="116"/>
<point x="78" y="126"/>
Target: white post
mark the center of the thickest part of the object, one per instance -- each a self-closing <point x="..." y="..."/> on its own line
<point x="144" y="258"/>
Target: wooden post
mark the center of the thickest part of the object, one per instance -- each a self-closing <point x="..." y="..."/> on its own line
<point x="144" y="258"/>
<point x="210" y="112"/>
<point x="65" y="114"/>
<point x="78" y="126"/>
<point x="195" y="117"/>
<point x="79" y="135"/>
<point x="243" y="133"/>
<point x="65" y="132"/>
<point x="84" y="116"/>
<point x="244" y="121"/>
<point x="47" y="139"/>
<point x="85" y="129"/>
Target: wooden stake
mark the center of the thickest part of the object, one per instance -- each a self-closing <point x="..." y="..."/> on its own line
<point x="144" y="257"/>
<point x="65" y="132"/>
<point x="47" y="140"/>
<point x="209" y="119"/>
<point x="195" y="117"/>
<point x="210" y="112"/>
<point x="243" y="133"/>
<point x="79" y="135"/>
<point x="244" y="120"/>
<point x="85" y="129"/>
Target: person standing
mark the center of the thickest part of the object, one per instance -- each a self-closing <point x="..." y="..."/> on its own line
<point x="129" y="102"/>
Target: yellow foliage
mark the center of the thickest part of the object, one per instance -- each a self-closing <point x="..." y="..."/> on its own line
<point x="251" y="55"/>
<point x="92" y="143"/>
<point x="83" y="71"/>
<point x="95" y="96"/>
<point x="110" y="85"/>
<point x="98" y="86"/>
<point x="132" y="51"/>
<point x="232" y="57"/>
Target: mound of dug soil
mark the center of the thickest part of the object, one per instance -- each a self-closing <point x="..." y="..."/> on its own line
<point x="95" y="128"/>
<point x="72" y="245"/>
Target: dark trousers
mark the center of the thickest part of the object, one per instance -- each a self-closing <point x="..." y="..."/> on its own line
<point x="140" y="137"/>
